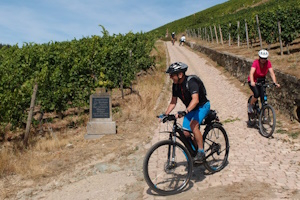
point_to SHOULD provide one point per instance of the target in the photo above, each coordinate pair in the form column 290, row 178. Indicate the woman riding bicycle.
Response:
column 194, row 98
column 259, row 70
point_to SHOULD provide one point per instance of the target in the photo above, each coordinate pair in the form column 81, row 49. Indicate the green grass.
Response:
column 295, row 135
column 281, row 131
column 230, row 120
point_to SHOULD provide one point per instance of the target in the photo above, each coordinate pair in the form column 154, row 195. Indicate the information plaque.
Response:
column 100, row 107
column 100, row 116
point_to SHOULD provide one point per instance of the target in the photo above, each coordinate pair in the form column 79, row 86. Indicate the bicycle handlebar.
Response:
column 266, row 84
column 170, row 117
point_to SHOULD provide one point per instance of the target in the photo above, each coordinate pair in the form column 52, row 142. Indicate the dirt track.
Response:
column 258, row 168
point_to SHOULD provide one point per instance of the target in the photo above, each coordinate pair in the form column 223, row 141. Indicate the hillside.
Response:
column 230, row 18
column 227, row 11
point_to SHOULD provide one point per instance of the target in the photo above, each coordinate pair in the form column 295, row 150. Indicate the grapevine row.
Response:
column 68, row 72
column 268, row 23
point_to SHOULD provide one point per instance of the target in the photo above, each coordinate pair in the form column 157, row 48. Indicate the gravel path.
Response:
column 259, row 168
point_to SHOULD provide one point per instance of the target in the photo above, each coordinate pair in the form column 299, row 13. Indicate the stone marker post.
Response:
column 100, row 115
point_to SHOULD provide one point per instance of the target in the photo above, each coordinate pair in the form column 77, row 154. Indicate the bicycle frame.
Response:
column 187, row 142
column 263, row 95
column 177, row 129
column 260, row 112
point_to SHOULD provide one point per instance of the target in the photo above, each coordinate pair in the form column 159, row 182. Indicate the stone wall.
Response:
column 286, row 98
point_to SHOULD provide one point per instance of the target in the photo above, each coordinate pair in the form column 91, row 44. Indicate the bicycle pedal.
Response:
column 252, row 115
column 198, row 162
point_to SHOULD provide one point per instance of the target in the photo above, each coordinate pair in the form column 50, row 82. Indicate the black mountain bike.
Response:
column 168, row 164
column 264, row 115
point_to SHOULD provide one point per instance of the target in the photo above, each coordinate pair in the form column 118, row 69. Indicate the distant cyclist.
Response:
column 173, row 37
column 192, row 93
column 259, row 69
column 182, row 40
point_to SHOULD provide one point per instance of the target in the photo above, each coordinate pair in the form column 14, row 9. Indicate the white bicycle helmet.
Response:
column 263, row 53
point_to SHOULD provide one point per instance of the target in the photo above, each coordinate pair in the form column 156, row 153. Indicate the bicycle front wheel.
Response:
column 167, row 167
column 216, row 147
column 267, row 121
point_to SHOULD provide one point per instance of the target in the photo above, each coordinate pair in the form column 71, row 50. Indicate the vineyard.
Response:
column 234, row 17
column 67, row 73
column 281, row 25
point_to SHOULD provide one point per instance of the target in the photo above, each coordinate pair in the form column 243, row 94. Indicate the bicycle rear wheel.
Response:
column 216, row 147
column 267, row 121
column 167, row 167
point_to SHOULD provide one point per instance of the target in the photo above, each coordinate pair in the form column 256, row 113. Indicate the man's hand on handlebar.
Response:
column 180, row 114
column 161, row 117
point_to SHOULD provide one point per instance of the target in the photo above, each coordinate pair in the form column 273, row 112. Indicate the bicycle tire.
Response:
column 164, row 176
column 267, row 121
column 252, row 120
column 216, row 147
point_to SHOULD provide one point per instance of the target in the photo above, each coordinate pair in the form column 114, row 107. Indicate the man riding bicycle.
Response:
column 193, row 94
column 173, row 37
column 259, row 70
column 182, row 40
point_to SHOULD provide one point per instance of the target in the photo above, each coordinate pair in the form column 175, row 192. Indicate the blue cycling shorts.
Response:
column 197, row 115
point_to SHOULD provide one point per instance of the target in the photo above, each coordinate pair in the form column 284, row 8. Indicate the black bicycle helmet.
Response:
column 177, row 67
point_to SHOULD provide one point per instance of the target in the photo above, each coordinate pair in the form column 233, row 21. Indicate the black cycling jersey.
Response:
column 180, row 90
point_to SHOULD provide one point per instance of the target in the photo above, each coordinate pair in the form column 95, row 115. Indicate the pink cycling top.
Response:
column 260, row 72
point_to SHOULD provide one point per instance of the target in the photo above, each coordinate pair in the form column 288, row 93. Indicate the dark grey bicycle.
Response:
column 168, row 164
column 264, row 114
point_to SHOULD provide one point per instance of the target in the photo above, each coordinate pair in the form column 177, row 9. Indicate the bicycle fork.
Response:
column 171, row 149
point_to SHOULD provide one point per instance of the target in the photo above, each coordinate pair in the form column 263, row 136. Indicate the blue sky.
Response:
column 42, row 21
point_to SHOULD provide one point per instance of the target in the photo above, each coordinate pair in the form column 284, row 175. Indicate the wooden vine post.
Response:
column 121, row 84
column 238, row 31
column 30, row 114
column 221, row 35
column 211, row 33
column 259, row 34
column 279, row 31
column 247, row 37
column 130, row 56
column 216, row 34
column 229, row 34
column 199, row 33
